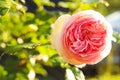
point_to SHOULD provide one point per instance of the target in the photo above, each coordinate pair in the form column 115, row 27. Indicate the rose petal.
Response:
column 57, row 27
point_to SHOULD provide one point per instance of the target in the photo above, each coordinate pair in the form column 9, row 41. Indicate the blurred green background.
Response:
column 25, row 49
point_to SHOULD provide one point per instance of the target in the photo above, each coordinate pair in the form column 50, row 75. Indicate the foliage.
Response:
column 25, row 49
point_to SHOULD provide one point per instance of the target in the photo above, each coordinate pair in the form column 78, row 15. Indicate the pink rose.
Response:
column 83, row 38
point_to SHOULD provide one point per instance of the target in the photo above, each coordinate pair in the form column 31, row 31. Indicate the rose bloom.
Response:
column 83, row 38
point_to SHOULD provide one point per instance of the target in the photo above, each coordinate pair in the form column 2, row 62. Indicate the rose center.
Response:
column 86, row 37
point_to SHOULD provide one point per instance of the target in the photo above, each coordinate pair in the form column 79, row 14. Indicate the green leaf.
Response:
column 40, row 70
column 4, row 7
column 3, row 73
column 69, row 75
column 78, row 74
column 90, row 1
column 13, row 49
column 74, row 73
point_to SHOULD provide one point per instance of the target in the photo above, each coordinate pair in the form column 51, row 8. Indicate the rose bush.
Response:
column 83, row 38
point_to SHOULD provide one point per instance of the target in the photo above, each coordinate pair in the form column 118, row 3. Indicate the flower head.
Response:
column 83, row 38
